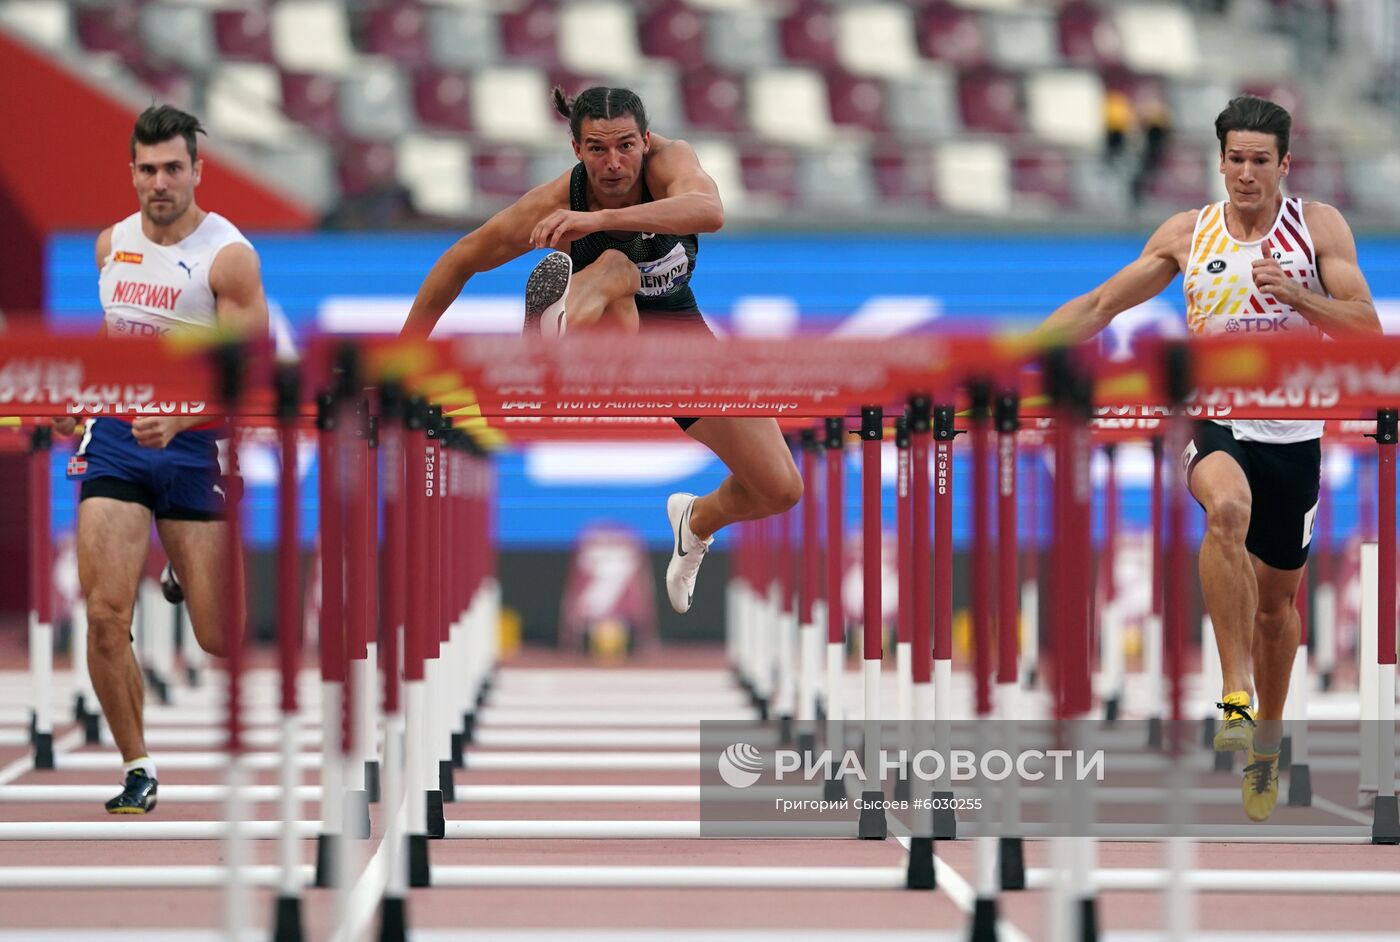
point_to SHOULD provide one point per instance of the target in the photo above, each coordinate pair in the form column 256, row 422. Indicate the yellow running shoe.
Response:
column 1236, row 730
column 1259, row 790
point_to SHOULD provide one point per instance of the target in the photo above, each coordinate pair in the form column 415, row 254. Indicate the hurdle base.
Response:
column 1285, row 754
column 806, row 745
column 92, row 729
column 1224, row 762
column 372, row 780
column 785, row 729
column 418, row 874
column 761, row 704
column 902, row 791
column 286, row 919
column 833, row 789
column 821, row 712
column 468, row 729
column 446, row 783
column 1011, row 862
column 873, row 826
column 457, row 745
column 984, row 920
column 326, row 855
column 357, row 815
column 1088, row 920
column 1208, row 732
column 1300, row 786
column 1154, row 732
column 192, row 676
column 1385, row 826
column 435, row 825
column 945, row 819
column 920, row 873
column 1111, row 708
column 393, row 920
column 1326, row 680
column 80, row 711
column 43, row 750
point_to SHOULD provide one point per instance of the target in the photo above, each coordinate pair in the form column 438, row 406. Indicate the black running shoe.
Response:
column 170, row 586
column 138, row 795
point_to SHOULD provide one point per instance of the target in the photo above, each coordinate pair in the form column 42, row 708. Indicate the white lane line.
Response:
column 1351, row 814
column 959, row 890
column 25, row 763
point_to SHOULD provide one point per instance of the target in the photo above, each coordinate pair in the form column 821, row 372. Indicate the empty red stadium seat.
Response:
column 531, row 33
column 807, row 35
column 714, row 100
column 673, row 31
column 1087, row 36
column 500, row 171
column 904, row 175
column 311, row 100
column 440, row 98
column 110, row 29
column 243, row 34
column 990, row 101
column 769, row 170
column 857, row 101
column 952, row 34
column 398, row 31
column 364, row 166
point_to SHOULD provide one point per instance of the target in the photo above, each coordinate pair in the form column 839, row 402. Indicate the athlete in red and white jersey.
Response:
column 172, row 266
column 1257, row 262
column 1222, row 298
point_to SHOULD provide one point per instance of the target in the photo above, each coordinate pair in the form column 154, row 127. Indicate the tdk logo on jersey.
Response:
column 138, row 329
column 1216, row 266
column 1255, row 325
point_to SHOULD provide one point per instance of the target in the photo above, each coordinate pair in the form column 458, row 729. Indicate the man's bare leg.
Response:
column 1277, row 628
column 763, row 478
column 1227, row 576
column 602, row 295
column 199, row 552
column 113, row 540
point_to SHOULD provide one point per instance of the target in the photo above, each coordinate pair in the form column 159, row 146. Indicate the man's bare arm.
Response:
column 1350, row 309
column 239, row 302
column 1143, row 279
column 688, row 198
column 502, row 238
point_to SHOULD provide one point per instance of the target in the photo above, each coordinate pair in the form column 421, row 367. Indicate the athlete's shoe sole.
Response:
column 545, row 291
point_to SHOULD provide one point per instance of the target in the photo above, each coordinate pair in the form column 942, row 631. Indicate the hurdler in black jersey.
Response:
column 664, row 262
column 620, row 231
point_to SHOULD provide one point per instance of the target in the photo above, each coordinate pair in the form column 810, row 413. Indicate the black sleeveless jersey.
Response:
column 665, row 262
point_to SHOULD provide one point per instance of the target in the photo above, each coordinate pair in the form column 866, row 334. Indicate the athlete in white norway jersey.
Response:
column 1256, row 262
column 170, row 267
column 149, row 289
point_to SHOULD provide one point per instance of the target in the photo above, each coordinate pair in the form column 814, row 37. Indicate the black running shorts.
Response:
column 1284, row 483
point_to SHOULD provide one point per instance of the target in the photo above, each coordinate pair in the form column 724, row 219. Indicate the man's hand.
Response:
column 65, row 425
column 561, row 226
column 1270, row 278
column 157, row 431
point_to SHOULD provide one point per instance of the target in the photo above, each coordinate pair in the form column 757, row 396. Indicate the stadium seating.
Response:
column 822, row 104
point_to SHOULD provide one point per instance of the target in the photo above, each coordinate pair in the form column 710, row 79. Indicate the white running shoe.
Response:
column 545, row 291
column 687, row 555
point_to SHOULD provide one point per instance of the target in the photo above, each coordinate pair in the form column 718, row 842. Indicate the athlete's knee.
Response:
column 779, row 492
column 1229, row 519
column 1274, row 616
column 109, row 627
column 621, row 266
